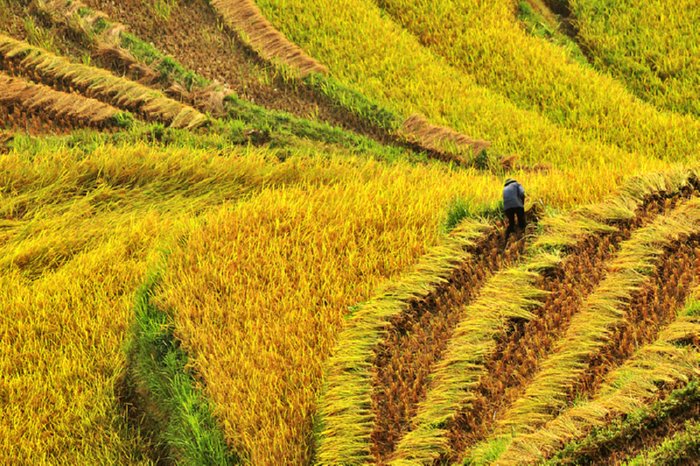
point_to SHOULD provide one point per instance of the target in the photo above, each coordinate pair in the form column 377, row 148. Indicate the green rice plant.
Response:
column 539, row 21
column 163, row 8
column 37, row 36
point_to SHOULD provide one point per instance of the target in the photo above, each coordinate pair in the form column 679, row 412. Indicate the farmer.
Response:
column 514, row 205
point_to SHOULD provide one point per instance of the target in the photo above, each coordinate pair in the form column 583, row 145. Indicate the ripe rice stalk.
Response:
column 245, row 18
column 590, row 328
column 517, row 356
column 621, row 37
column 97, row 83
column 651, row 309
column 632, row 385
column 94, row 27
column 508, row 295
column 442, row 140
column 74, row 110
column 345, row 416
column 467, row 32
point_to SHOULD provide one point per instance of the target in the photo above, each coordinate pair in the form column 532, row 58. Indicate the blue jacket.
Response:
column 513, row 195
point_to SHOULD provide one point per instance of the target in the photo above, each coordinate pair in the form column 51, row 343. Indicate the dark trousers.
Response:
column 511, row 214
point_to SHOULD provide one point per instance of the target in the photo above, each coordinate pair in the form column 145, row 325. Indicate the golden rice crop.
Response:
column 486, row 41
column 245, row 18
column 363, row 48
column 275, row 320
column 591, row 328
column 268, row 249
column 652, row 46
column 325, row 247
column 79, row 232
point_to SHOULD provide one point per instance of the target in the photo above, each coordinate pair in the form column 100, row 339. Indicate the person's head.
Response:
column 509, row 181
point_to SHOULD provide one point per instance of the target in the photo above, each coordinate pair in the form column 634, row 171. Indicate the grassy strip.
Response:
column 636, row 383
column 355, row 102
column 97, row 83
column 681, row 448
column 343, row 425
column 514, row 293
column 178, row 415
column 600, row 441
column 220, row 136
column 169, row 68
column 270, row 124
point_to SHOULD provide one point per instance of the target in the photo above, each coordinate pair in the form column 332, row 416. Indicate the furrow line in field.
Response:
column 417, row 339
column 245, row 18
column 625, row 438
column 346, row 416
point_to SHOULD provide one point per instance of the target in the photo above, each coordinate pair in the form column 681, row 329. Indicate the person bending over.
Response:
column 514, row 205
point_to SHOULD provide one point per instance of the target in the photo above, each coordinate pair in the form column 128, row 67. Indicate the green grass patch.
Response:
column 178, row 413
column 680, row 448
column 170, row 69
column 460, row 208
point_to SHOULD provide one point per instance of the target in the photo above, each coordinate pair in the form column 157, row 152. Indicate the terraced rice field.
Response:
column 267, row 233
